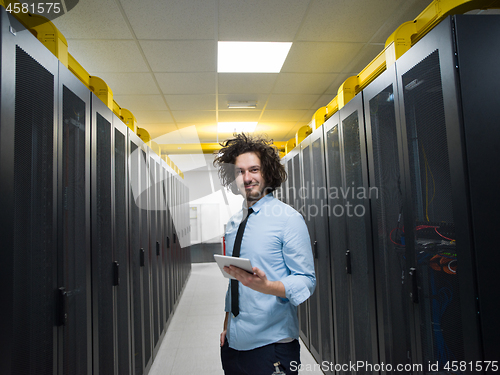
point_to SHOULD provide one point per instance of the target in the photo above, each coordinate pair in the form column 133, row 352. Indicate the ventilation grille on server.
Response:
column 34, row 247
column 74, row 234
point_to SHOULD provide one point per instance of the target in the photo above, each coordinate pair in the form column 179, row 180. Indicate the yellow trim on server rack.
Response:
column 102, row 91
column 144, row 135
column 290, row 145
column 80, row 73
column 318, row 118
column 129, row 119
column 117, row 110
column 302, row 134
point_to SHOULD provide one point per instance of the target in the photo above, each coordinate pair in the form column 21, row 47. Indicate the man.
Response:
column 261, row 330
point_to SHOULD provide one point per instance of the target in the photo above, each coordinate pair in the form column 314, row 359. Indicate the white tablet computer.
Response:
column 223, row 261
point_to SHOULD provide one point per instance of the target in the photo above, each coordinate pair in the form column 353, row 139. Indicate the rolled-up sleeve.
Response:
column 298, row 256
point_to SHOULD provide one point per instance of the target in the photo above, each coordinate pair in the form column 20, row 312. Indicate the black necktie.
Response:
column 235, row 307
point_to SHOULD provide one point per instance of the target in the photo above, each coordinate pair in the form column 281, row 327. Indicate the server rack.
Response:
column 154, row 245
column 28, row 151
column 382, row 123
column 121, row 263
column 73, row 192
column 109, row 242
column 338, row 241
column 443, row 141
column 352, row 268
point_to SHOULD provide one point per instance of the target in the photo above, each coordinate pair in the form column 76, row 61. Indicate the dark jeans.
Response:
column 260, row 361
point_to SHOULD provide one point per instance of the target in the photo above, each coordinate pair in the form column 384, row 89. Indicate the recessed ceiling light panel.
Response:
column 251, row 57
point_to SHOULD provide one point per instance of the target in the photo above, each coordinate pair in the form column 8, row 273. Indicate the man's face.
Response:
column 249, row 179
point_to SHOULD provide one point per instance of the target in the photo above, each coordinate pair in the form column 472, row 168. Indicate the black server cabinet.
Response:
column 338, row 241
column 146, row 303
column 294, row 194
column 73, row 193
column 394, row 316
column 154, row 244
column 448, row 135
column 137, row 254
column 165, row 283
column 304, row 193
column 110, row 292
column 28, row 136
column 316, row 212
column 121, row 263
column 352, row 264
column 359, row 251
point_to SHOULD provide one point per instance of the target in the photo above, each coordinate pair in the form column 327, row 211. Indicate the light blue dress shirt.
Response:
column 276, row 241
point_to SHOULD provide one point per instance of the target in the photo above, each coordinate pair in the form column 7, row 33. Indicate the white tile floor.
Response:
column 191, row 343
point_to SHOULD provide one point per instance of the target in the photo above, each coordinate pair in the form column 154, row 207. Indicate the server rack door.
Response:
column 145, row 253
column 163, row 249
column 102, row 239
column 136, row 255
column 296, row 202
column 28, row 191
column 154, row 242
column 386, row 190
column 170, row 257
column 289, row 181
column 357, row 211
column 314, row 319
column 75, row 344
column 121, row 261
column 318, row 212
column 338, row 242
column 437, row 229
column 477, row 40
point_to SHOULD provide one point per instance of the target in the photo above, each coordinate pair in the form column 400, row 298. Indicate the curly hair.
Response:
column 272, row 169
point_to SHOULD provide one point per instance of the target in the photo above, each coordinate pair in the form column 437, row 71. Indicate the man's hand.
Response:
column 223, row 337
column 257, row 281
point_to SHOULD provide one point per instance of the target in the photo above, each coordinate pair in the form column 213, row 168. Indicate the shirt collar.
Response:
column 257, row 205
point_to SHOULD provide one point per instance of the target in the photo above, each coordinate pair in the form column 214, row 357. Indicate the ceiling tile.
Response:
column 319, row 57
column 296, row 83
column 130, row 83
column 193, row 116
column 239, row 116
column 243, row 83
column 141, row 102
column 260, row 20
column 102, row 56
column 290, row 115
column 323, row 101
column 186, row 83
column 279, row 101
column 338, row 20
column 93, row 19
column 180, row 56
column 190, row 102
column 173, row 19
column 152, row 117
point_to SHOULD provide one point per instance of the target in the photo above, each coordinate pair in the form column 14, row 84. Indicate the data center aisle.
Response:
column 191, row 344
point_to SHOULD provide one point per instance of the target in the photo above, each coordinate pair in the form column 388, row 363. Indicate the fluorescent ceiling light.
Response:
column 251, row 57
column 242, row 104
column 236, row 127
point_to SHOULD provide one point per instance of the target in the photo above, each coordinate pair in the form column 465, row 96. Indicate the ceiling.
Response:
column 160, row 57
